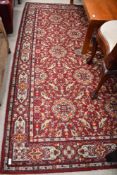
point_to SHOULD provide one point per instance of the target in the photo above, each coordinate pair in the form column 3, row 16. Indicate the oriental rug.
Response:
column 52, row 125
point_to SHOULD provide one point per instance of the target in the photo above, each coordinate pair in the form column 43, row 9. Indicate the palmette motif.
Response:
column 54, row 124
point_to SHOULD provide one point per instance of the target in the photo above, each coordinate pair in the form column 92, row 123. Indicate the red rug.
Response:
column 52, row 125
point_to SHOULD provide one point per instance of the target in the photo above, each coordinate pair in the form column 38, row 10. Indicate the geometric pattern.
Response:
column 51, row 122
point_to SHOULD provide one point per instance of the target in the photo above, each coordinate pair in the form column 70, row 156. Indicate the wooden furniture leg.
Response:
column 19, row 1
column 109, row 69
column 102, row 80
column 71, row 1
column 107, row 39
column 88, row 38
column 4, row 33
column 112, row 156
column 94, row 48
column 98, row 14
column 4, row 49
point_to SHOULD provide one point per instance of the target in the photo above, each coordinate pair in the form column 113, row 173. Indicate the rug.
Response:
column 52, row 125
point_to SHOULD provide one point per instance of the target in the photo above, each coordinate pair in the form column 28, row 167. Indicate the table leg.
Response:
column 19, row 1
column 71, row 1
column 2, row 30
column 88, row 38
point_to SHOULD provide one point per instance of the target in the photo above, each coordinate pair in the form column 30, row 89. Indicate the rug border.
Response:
column 59, row 171
column 9, row 86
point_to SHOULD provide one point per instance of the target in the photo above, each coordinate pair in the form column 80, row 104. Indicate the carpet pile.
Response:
column 52, row 125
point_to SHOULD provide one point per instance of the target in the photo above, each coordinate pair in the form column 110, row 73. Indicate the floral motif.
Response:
column 63, row 109
column 35, row 154
column 23, row 87
column 83, row 76
column 19, row 138
column 41, row 76
column 74, row 34
column 69, row 152
column 55, row 18
column 41, row 32
column 20, row 109
column 100, row 150
column 58, row 51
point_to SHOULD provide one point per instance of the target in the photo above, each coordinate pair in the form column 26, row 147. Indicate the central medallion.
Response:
column 83, row 76
column 58, row 51
column 64, row 109
column 54, row 18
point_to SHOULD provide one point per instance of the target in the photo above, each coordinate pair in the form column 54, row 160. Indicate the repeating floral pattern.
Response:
column 51, row 121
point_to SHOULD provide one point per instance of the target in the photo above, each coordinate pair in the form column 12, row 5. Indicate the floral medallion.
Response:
column 64, row 109
column 83, row 76
column 55, row 18
column 74, row 34
column 58, row 51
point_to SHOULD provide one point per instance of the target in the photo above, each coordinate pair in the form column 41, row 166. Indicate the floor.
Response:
column 12, row 40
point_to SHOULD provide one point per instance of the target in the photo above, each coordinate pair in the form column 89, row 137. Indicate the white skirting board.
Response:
column 78, row 2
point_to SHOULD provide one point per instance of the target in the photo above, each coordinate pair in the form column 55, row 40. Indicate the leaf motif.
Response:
column 102, row 122
column 68, row 87
column 66, row 66
column 80, row 95
column 73, row 60
column 44, row 125
column 43, row 59
column 53, row 86
column 74, row 133
column 52, row 66
column 43, row 94
column 85, row 123
column 59, row 133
